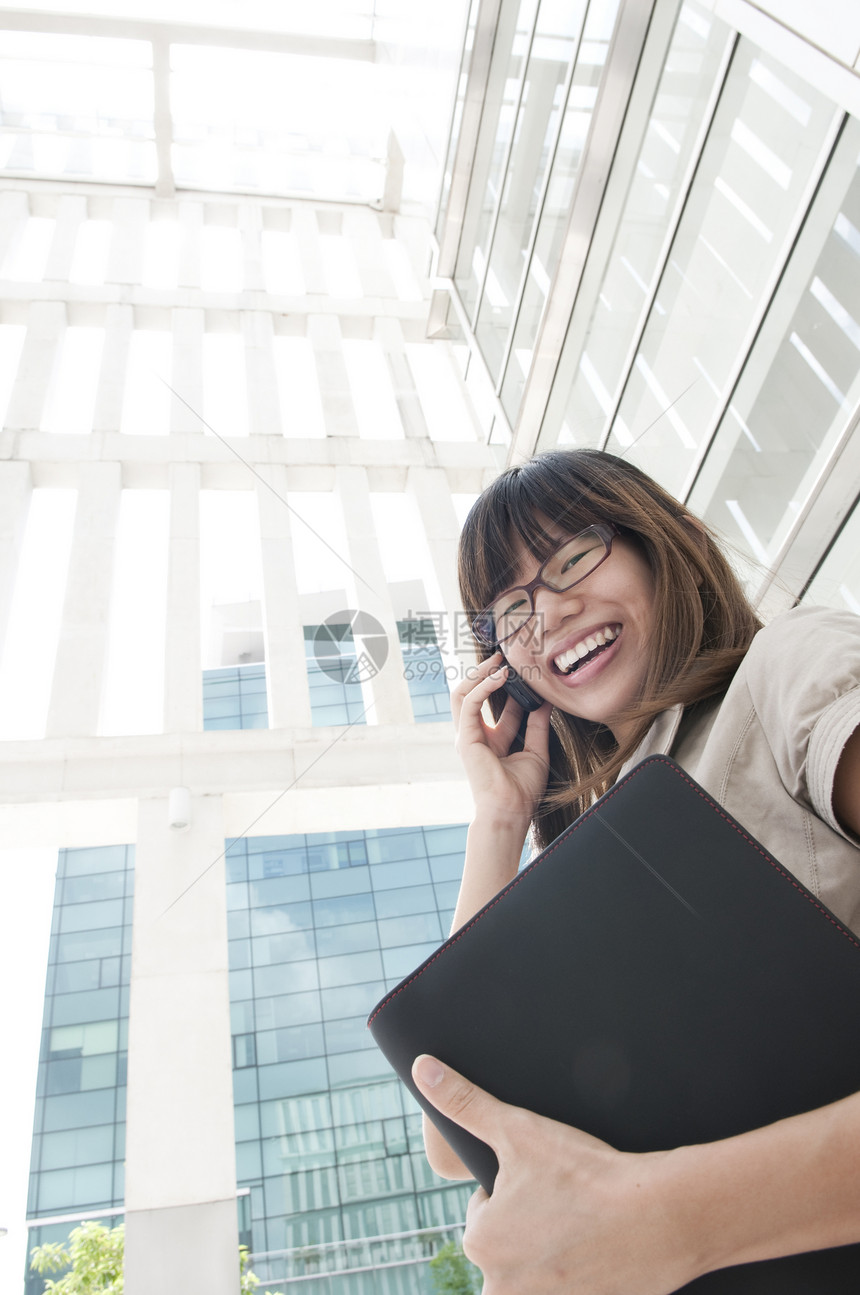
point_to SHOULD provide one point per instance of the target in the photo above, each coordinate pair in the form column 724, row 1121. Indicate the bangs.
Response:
column 510, row 519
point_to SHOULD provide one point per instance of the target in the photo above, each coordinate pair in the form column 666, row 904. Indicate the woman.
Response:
column 619, row 611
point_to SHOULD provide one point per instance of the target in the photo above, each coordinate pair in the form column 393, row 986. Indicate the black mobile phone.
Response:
column 517, row 688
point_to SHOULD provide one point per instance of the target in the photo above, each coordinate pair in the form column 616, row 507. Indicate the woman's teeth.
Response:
column 568, row 661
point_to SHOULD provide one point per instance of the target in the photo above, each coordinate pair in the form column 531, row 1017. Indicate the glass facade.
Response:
column 703, row 322
column 235, row 697
column 424, row 671
column 334, row 675
column 79, row 1128
column 328, row 1142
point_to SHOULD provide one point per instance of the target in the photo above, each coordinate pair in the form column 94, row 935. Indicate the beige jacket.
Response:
column 768, row 751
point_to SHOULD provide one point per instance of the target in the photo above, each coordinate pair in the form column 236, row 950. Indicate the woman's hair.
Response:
column 703, row 623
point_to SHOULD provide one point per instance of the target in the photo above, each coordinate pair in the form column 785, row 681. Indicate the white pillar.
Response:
column 71, row 213
column 286, row 669
column 389, row 335
column 183, row 687
column 180, row 1184
column 119, row 323
column 186, row 375
column 432, row 494
column 14, row 211
column 264, row 406
column 338, row 410
column 82, row 649
column 46, row 325
column 306, row 230
column 191, row 229
column 367, row 585
column 15, row 490
column 125, row 260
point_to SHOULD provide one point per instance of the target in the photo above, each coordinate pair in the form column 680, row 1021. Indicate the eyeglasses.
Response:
column 569, row 565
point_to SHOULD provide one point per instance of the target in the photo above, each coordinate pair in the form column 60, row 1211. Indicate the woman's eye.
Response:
column 572, row 560
column 511, row 609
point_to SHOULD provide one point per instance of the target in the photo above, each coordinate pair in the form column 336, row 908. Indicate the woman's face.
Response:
column 586, row 649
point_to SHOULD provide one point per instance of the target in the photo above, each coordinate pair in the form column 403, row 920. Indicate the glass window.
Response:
column 394, row 875
column 409, row 899
column 416, row 929
column 353, row 937
column 276, row 918
column 348, row 1035
column 292, row 1077
column 351, row 1000
column 837, row 580
column 345, row 908
column 582, row 403
column 764, row 152
column 553, row 52
column 349, row 969
column 291, row 1044
column 801, row 382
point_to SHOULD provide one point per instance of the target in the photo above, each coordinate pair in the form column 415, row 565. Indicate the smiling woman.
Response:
column 679, row 621
column 583, row 575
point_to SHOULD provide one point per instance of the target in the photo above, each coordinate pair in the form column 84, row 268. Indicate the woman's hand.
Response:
column 568, row 1213
column 506, row 787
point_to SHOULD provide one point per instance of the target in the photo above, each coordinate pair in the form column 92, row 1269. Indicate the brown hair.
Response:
column 704, row 623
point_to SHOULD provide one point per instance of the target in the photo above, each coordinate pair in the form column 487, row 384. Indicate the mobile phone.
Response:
column 526, row 697
column 521, row 692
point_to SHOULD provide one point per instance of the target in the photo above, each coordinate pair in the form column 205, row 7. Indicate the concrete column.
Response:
column 369, row 589
column 264, row 408
column 306, row 230
column 338, row 410
column 389, row 334
column 15, row 490
column 186, row 375
column 286, row 671
column 14, row 210
column 183, row 688
column 431, row 491
column 71, row 214
column 191, row 228
column 180, row 1183
column 46, row 324
column 82, row 649
column 119, row 323
column 250, row 228
column 362, row 229
column 125, row 259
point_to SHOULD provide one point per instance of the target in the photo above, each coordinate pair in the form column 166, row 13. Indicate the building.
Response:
column 249, row 428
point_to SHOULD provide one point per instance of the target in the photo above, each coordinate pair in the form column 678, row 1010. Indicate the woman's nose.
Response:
column 551, row 607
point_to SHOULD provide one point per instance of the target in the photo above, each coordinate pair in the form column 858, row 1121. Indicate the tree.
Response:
column 94, row 1255
column 452, row 1273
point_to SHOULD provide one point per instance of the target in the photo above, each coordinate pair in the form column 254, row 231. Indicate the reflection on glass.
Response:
column 510, row 50
column 544, row 259
column 837, row 580
column 457, row 119
column 588, row 381
column 801, row 382
column 552, row 52
column 764, row 150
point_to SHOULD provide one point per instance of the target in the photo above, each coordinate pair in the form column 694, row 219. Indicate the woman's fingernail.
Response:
column 428, row 1071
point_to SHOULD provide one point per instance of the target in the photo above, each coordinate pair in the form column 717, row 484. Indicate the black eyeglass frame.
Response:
column 605, row 530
